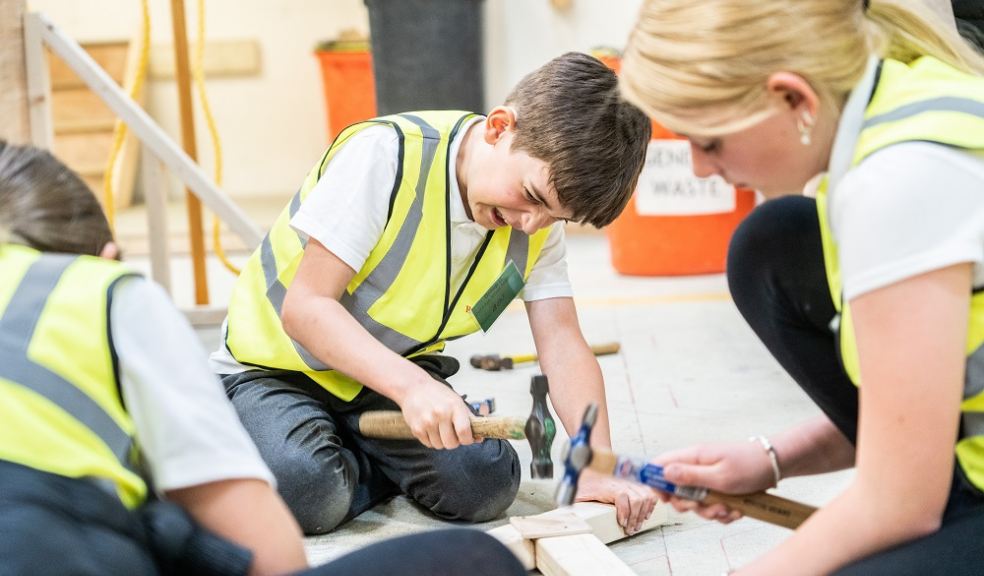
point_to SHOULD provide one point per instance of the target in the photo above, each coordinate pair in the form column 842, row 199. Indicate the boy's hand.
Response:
column 634, row 502
column 437, row 415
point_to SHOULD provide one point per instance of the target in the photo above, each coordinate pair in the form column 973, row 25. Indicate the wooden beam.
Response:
column 38, row 85
column 580, row 555
column 16, row 125
column 220, row 59
column 195, row 230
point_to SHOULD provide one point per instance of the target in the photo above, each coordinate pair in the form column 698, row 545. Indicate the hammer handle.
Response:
column 597, row 350
column 764, row 506
column 391, row 424
column 759, row 505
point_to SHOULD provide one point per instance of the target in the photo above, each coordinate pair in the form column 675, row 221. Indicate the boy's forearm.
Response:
column 333, row 336
column 576, row 382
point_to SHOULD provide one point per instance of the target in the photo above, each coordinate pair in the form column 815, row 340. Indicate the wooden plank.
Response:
column 193, row 204
column 580, row 555
column 38, row 86
column 110, row 55
column 604, row 523
column 522, row 548
column 533, row 527
column 221, row 58
column 16, row 125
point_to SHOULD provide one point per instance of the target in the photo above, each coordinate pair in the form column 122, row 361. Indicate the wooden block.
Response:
column 221, row 58
column 522, row 548
column 603, row 522
column 539, row 526
column 580, row 555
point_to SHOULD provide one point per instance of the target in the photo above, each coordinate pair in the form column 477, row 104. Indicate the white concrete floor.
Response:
column 689, row 371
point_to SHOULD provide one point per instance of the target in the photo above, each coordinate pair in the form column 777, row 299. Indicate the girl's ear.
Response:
column 794, row 93
column 110, row 251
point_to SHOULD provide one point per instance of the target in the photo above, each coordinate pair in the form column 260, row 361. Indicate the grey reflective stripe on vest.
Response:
column 518, row 250
column 972, row 423
column 384, row 274
column 944, row 104
column 974, row 374
column 276, row 291
column 16, row 330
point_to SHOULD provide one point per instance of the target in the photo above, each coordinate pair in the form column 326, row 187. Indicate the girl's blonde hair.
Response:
column 701, row 67
column 46, row 206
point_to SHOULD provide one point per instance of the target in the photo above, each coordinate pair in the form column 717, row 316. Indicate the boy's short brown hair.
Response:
column 571, row 116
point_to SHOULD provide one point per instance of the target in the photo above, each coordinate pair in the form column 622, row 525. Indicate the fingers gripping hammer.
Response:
column 579, row 455
column 539, row 429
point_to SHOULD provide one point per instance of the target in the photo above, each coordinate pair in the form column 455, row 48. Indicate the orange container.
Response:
column 675, row 223
column 350, row 90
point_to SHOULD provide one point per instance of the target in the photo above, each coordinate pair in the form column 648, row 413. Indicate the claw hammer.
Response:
column 579, row 455
column 539, row 429
column 494, row 362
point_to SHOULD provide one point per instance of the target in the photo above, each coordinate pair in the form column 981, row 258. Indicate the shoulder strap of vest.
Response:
column 17, row 327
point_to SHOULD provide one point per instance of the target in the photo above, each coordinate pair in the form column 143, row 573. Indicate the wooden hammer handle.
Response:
column 763, row 506
column 596, row 349
column 391, row 424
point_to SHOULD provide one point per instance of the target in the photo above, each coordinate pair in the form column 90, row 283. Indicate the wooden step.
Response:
column 80, row 149
column 77, row 110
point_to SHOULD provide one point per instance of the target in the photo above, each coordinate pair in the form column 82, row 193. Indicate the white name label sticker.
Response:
column 668, row 187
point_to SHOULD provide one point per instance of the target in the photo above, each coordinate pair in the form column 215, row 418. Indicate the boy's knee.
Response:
column 482, row 484
column 317, row 487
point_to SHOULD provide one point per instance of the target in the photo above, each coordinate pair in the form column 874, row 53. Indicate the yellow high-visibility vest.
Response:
column 929, row 101
column 60, row 403
column 402, row 294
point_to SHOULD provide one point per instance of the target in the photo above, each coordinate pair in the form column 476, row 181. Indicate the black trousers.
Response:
column 777, row 279
column 52, row 525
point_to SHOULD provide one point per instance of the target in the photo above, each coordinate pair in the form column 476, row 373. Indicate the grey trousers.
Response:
column 328, row 473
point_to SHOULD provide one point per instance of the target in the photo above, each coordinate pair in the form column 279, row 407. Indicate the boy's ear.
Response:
column 499, row 120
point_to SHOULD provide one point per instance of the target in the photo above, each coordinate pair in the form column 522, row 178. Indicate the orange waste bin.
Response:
column 675, row 223
column 350, row 91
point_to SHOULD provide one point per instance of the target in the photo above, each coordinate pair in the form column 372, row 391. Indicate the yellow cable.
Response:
column 119, row 127
column 198, row 70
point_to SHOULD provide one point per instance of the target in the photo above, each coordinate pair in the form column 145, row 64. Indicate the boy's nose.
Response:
column 536, row 220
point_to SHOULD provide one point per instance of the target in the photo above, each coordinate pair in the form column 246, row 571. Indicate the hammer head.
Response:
column 577, row 456
column 540, row 429
column 491, row 362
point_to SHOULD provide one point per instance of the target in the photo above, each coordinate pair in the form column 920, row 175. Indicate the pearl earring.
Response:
column 805, row 125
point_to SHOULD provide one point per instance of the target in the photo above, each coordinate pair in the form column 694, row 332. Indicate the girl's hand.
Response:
column 731, row 468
